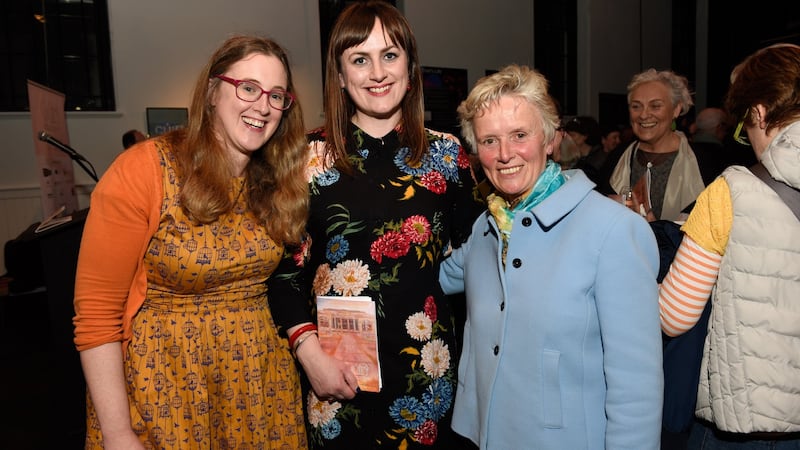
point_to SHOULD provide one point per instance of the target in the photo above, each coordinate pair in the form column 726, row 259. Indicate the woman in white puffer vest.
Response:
column 741, row 248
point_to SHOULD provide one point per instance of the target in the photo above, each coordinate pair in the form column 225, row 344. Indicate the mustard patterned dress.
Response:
column 205, row 367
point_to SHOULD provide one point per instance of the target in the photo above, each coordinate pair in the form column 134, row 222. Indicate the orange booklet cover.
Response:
column 641, row 194
column 348, row 331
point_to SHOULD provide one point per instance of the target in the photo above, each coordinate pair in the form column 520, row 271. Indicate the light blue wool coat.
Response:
column 562, row 350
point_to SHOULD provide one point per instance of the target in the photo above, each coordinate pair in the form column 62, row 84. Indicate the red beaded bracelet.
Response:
column 299, row 332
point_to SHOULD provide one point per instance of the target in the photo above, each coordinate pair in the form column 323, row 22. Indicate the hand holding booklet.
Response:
column 347, row 330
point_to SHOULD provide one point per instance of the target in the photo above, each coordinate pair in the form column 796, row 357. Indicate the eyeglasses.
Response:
column 251, row 92
column 737, row 135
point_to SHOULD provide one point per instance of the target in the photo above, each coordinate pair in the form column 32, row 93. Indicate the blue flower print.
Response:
column 444, row 158
column 438, row 397
column 328, row 177
column 408, row 412
column 400, row 162
column 364, row 152
column 331, row 429
column 337, row 248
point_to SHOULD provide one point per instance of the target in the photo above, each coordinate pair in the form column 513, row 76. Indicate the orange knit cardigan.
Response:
column 124, row 213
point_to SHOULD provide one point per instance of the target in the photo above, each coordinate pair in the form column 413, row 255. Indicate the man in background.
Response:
column 131, row 137
column 713, row 145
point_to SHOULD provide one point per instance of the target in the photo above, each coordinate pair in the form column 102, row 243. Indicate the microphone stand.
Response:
column 74, row 155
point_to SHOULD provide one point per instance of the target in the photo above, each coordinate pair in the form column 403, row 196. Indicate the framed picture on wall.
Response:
column 162, row 120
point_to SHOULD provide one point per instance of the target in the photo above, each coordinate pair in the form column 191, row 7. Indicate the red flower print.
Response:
column 463, row 160
column 426, row 433
column 392, row 245
column 301, row 254
column 417, row 228
column 430, row 308
column 434, row 181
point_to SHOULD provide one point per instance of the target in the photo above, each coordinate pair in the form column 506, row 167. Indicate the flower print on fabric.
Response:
column 350, row 277
column 337, row 248
column 438, row 397
column 430, row 308
column 430, row 366
column 437, row 167
column 408, row 412
column 397, row 239
column 300, row 256
column 319, row 171
column 380, row 231
column 324, row 417
column 417, row 229
column 435, row 358
column 323, row 280
column 419, row 326
column 391, row 244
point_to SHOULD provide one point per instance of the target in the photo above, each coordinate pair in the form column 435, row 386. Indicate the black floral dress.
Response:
column 381, row 232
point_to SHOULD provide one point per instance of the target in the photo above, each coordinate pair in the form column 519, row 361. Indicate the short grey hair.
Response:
column 678, row 86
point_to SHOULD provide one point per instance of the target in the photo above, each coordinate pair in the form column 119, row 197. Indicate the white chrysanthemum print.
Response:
column 419, row 326
column 323, row 280
column 435, row 358
column 320, row 413
column 350, row 277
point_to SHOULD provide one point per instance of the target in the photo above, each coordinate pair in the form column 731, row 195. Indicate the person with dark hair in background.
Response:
column 713, row 146
column 593, row 162
column 131, row 137
column 741, row 249
column 585, row 132
column 176, row 340
column 562, row 348
column 387, row 198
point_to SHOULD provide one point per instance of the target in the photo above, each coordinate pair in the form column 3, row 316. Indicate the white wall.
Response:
column 617, row 39
column 475, row 35
column 157, row 50
column 159, row 47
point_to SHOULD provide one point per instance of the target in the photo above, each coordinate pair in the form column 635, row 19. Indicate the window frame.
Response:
column 62, row 44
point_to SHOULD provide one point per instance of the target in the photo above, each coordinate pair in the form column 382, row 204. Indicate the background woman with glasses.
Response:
column 178, row 346
column 741, row 246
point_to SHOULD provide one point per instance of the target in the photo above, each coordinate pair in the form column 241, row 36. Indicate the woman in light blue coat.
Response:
column 562, row 345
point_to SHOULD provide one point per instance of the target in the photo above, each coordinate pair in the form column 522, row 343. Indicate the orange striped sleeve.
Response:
column 687, row 286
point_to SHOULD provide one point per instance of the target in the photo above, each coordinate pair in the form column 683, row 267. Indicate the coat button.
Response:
column 496, row 349
column 516, row 263
column 526, row 222
column 502, row 306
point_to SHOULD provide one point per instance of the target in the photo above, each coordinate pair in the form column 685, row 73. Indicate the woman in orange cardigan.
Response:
column 177, row 343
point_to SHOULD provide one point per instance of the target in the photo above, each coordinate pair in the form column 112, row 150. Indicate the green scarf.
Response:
column 548, row 182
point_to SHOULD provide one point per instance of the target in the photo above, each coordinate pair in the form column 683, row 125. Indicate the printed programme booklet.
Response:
column 641, row 192
column 348, row 331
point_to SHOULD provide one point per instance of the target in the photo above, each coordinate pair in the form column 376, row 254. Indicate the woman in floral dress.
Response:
column 387, row 198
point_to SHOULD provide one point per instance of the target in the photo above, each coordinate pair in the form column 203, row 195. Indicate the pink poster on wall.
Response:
column 56, row 177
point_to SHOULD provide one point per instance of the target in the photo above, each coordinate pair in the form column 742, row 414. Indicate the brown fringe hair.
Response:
column 276, row 188
column 352, row 28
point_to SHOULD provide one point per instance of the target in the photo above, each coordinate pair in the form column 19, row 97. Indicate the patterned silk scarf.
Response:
column 549, row 180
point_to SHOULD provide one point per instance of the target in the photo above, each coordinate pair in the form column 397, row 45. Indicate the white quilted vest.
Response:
column 750, row 374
